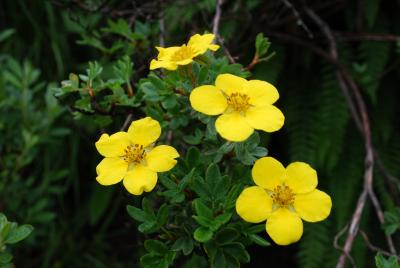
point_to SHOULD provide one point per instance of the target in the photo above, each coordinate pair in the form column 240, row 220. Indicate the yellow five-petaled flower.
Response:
column 283, row 197
column 131, row 157
column 171, row 57
column 244, row 105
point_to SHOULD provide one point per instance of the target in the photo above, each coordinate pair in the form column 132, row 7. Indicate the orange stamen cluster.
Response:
column 239, row 102
column 184, row 52
column 134, row 153
column 283, row 196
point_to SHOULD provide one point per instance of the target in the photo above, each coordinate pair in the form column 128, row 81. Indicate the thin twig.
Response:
column 366, row 36
column 347, row 84
column 162, row 29
column 299, row 21
column 336, row 244
column 216, row 20
column 128, row 119
column 226, row 51
column 374, row 248
column 217, row 17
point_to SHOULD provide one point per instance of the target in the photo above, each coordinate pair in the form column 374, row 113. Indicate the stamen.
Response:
column 134, row 153
column 184, row 52
column 283, row 196
column 239, row 102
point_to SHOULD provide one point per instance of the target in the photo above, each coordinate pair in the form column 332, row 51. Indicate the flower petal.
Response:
column 202, row 42
column 144, row 131
column 169, row 65
column 111, row 170
column 184, row 62
column 284, row 227
column 267, row 118
column 301, row 177
column 233, row 127
column 208, row 100
column 268, row 173
column 313, row 206
column 140, row 179
column 230, row 83
column 161, row 158
column 114, row 145
column 254, row 204
column 261, row 93
column 165, row 53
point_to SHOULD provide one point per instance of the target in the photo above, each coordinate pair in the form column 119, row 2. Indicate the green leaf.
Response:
column 136, row 213
column 382, row 262
column 155, row 246
column 6, row 34
column 259, row 240
column 201, row 188
column 202, row 234
column 202, row 210
column 162, row 215
column 262, row 45
column 150, row 260
column 212, row 175
column 392, row 221
column 185, row 244
column 219, row 261
column 226, row 235
column 5, row 257
column 192, row 157
column 194, row 139
column 148, row 209
column 18, row 234
column 238, row 251
column 148, row 227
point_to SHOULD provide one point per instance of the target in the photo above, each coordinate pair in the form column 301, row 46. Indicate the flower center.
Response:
column 184, row 52
column 283, row 196
column 134, row 154
column 239, row 102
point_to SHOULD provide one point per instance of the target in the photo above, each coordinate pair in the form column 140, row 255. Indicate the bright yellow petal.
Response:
column 208, row 100
column 114, row 145
column 254, row 204
column 201, row 39
column 284, row 227
column 301, row 177
column 161, row 158
column 213, row 47
column 144, row 131
column 202, row 42
column 313, row 206
column 166, row 53
column 111, row 170
column 184, row 62
column 140, row 179
column 267, row 118
column 155, row 64
column 261, row 93
column 230, row 83
column 233, row 127
column 268, row 173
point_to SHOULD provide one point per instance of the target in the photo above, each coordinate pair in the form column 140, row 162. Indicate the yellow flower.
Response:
column 244, row 105
column 283, row 197
column 131, row 157
column 171, row 57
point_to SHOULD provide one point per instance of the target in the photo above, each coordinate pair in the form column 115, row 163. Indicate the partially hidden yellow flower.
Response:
column 283, row 197
column 131, row 157
column 245, row 105
column 171, row 57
